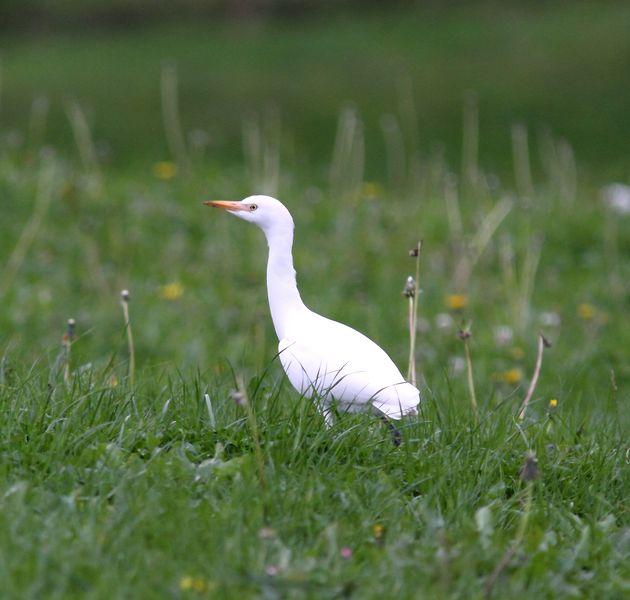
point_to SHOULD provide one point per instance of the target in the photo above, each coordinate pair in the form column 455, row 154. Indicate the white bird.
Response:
column 323, row 359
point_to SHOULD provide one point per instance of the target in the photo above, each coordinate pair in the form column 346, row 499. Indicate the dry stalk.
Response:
column 542, row 344
column 124, row 300
column 46, row 188
column 464, row 335
column 454, row 215
column 37, row 121
column 261, row 146
column 415, row 252
column 395, row 151
column 170, row 115
column 522, row 167
column 409, row 292
column 66, row 342
column 346, row 170
column 479, row 242
column 470, row 143
column 85, row 144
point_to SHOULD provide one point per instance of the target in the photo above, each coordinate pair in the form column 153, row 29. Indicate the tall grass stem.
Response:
column 46, row 189
column 85, row 144
column 66, row 342
column 170, row 116
column 464, row 335
column 124, row 297
column 470, row 142
column 542, row 344
column 522, row 166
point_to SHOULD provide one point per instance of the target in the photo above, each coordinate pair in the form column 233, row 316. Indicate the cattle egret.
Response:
column 325, row 360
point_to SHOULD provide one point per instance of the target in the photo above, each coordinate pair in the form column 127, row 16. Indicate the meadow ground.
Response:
column 165, row 486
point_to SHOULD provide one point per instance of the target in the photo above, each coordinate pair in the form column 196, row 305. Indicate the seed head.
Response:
column 238, row 397
column 124, row 295
column 68, row 336
column 529, row 471
column 464, row 334
column 409, row 291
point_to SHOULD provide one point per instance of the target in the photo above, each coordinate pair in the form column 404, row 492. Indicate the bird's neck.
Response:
column 285, row 303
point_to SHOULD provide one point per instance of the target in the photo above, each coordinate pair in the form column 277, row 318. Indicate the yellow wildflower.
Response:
column 586, row 311
column 456, row 301
column 164, row 169
column 517, row 353
column 171, row 291
column 195, row 584
column 379, row 530
column 553, row 403
column 511, row 376
column 371, row 190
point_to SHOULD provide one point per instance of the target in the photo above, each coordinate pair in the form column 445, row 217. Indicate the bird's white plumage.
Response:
column 322, row 358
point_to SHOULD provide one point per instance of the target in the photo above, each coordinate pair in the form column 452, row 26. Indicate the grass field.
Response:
column 165, row 486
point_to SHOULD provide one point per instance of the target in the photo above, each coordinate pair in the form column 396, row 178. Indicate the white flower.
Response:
column 617, row 197
column 549, row 319
column 503, row 335
column 444, row 321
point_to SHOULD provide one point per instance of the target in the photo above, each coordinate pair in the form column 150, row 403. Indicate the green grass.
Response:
column 109, row 489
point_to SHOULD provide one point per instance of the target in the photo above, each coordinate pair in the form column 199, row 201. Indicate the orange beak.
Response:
column 226, row 205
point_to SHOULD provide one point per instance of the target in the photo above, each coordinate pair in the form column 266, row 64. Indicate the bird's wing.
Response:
column 335, row 362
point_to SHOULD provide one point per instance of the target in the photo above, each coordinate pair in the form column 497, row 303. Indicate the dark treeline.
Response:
column 43, row 15
column 69, row 14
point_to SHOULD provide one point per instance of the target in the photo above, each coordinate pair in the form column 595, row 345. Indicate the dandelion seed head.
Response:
column 409, row 291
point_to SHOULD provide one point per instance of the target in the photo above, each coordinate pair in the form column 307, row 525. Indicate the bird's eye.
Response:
column 253, row 206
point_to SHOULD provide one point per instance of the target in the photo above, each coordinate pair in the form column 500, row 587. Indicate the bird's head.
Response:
column 266, row 212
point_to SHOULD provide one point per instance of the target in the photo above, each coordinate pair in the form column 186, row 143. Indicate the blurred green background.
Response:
column 556, row 67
